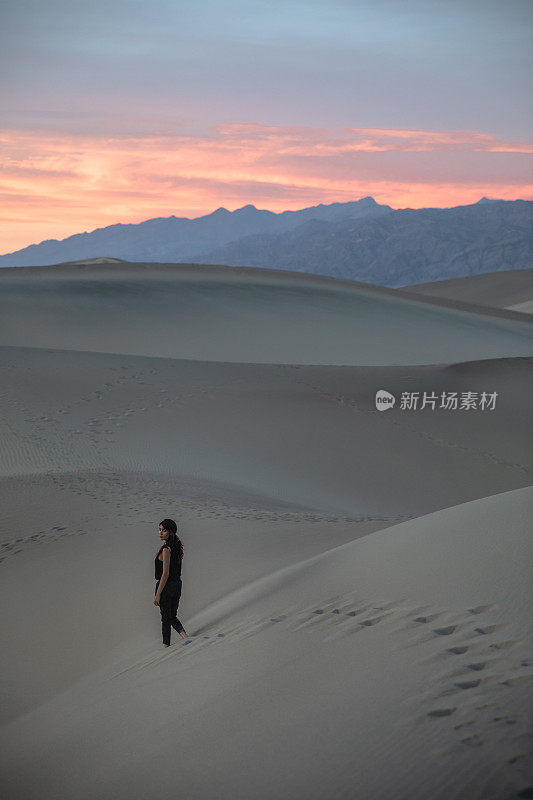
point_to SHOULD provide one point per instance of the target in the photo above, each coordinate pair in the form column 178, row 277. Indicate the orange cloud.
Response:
column 53, row 185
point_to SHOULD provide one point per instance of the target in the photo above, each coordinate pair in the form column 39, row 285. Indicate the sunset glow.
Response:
column 125, row 110
column 54, row 185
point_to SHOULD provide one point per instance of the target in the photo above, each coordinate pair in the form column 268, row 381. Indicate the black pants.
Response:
column 168, row 605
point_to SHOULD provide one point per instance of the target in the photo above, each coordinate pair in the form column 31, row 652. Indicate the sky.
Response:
column 125, row 110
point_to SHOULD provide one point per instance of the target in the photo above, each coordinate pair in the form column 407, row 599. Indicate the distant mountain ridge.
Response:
column 180, row 239
column 400, row 248
column 361, row 241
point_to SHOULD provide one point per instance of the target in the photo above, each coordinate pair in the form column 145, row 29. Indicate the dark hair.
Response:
column 174, row 541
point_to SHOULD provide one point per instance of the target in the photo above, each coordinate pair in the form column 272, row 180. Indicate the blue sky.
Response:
column 458, row 65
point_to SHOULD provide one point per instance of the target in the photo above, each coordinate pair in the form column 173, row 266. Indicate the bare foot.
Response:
column 183, row 634
column 166, row 645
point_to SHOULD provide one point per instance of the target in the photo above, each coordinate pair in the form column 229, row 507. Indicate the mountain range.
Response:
column 360, row 240
column 180, row 239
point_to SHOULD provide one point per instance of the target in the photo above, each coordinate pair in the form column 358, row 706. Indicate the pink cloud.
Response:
column 54, row 185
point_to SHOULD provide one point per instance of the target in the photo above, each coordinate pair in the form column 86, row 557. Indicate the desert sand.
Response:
column 356, row 583
column 511, row 289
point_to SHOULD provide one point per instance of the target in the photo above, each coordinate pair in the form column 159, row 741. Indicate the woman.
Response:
column 168, row 576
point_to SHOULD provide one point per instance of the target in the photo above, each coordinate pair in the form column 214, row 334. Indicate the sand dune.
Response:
column 404, row 646
column 512, row 289
column 245, row 315
column 355, row 581
column 523, row 308
column 301, row 434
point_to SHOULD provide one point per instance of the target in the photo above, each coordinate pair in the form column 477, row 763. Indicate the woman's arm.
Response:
column 164, row 576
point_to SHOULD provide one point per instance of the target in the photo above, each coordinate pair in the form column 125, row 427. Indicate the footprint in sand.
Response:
column 473, row 741
column 463, row 725
column 468, row 684
column 441, row 712
column 257, row 627
column 337, row 618
column 373, row 621
column 42, row 537
column 503, row 645
column 518, row 757
column 480, row 609
column 520, row 679
column 447, row 631
column 492, row 686
column 486, row 629
column 347, row 614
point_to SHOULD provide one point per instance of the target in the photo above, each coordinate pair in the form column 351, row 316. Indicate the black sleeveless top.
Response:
column 174, row 572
